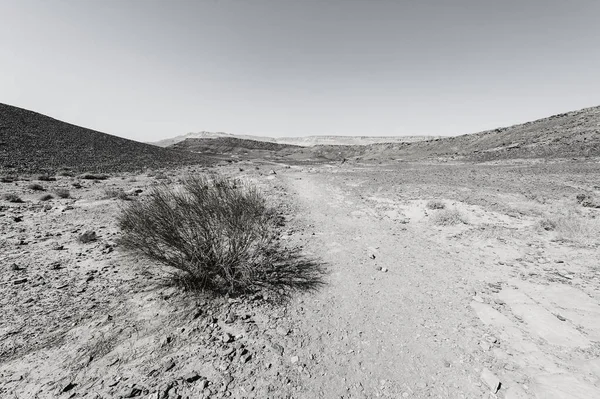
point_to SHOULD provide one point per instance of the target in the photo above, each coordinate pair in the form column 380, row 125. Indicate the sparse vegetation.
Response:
column 46, row 178
column 62, row 193
column 547, row 224
column 588, row 201
column 448, row 217
column 91, row 176
column 574, row 228
column 36, row 187
column 216, row 234
column 116, row 193
column 435, row 204
column 46, row 197
column 11, row 197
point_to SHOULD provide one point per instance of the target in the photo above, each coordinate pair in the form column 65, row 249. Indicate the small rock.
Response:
column 88, row 236
column 384, row 269
column 168, row 366
column 227, row 338
column 561, row 318
column 246, row 358
column 191, row 377
column 485, row 346
column 491, row 339
column 282, row 331
column 294, row 359
column 68, row 386
column 491, row 380
column 479, row 299
column 19, row 281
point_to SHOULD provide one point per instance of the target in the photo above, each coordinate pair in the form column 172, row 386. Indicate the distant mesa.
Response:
column 307, row 141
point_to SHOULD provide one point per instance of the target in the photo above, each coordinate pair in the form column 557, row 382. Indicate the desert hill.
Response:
column 572, row 134
column 307, row 141
column 32, row 142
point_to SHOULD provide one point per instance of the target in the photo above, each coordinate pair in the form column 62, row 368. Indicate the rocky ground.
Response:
column 444, row 280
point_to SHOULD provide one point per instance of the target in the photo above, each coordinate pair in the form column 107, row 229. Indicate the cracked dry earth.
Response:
column 496, row 306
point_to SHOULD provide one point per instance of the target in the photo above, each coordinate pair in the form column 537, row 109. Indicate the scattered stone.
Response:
column 168, row 366
column 230, row 318
column 55, row 265
column 384, row 269
column 491, row 380
column 246, row 358
column 278, row 348
column 485, row 346
column 479, row 299
column 282, row 331
column 561, row 318
column 88, row 236
column 227, row 338
column 68, row 386
column 191, row 377
column 294, row 359
column 19, row 281
column 491, row 339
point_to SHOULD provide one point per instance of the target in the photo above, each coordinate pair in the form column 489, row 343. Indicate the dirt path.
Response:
column 376, row 333
column 409, row 312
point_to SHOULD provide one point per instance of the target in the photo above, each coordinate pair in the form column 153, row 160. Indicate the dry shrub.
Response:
column 117, row 193
column 10, row 197
column 577, row 229
column 435, row 204
column 91, row 176
column 46, row 178
column 216, row 234
column 448, row 217
column 62, row 193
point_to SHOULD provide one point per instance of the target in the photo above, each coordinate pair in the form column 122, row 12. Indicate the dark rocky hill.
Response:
column 32, row 142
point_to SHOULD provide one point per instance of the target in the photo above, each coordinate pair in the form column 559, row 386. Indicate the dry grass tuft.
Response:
column 62, row 193
column 91, row 176
column 14, row 198
column 435, row 204
column 574, row 228
column 448, row 217
column 46, row 178
column 117, row 193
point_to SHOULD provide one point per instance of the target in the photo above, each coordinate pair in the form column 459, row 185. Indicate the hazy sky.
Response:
column 148, row 70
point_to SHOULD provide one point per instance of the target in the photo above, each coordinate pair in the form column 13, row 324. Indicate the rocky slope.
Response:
column 32, row 142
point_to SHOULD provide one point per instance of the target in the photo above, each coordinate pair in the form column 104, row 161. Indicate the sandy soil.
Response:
column 504, row 303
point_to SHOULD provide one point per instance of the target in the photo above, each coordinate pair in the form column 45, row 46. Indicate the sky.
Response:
column 148, row 70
